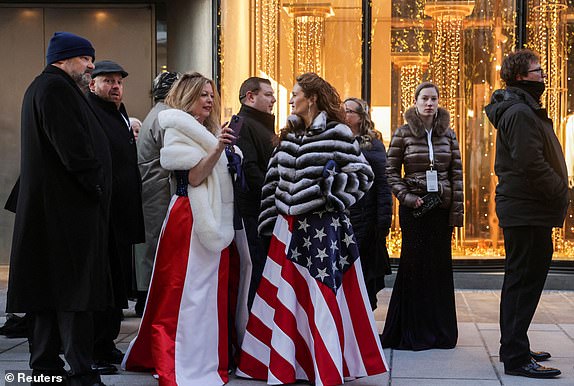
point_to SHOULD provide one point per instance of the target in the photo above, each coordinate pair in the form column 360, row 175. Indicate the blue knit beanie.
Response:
column 64, row 45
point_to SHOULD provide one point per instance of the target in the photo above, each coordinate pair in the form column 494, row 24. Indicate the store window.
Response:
column 282, row 39
column 550, row 32
column 457, row 44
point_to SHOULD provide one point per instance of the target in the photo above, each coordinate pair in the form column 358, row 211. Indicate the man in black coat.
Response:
column 59, row 270
column 126, row 215
column 531, row 198
column 255, row 141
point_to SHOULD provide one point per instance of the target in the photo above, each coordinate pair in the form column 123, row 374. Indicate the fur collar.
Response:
column 186, row 142
column 188, row 126
column 440, row 126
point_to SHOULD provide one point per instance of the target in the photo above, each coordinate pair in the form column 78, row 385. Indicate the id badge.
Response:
column 432, row 181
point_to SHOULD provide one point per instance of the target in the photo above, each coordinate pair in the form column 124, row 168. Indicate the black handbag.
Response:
column 430, row 201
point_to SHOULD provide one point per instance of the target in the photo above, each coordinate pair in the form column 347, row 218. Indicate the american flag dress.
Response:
column 195, row 296
column 311, row 318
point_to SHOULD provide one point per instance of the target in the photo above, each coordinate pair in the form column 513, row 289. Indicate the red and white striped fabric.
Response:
column 183, row 336
column 301, row 329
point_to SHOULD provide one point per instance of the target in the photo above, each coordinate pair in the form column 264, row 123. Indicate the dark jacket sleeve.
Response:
column 394, row 169
column 384, row 201
column 69, row 136
column 254, row 175
column 526, row 145
column 456, row 213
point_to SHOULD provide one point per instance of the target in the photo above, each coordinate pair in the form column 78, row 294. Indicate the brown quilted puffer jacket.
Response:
column 409, row 148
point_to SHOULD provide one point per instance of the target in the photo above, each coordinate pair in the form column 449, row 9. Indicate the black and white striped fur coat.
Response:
column 297, row 182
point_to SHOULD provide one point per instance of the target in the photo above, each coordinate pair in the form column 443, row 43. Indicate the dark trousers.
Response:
column 72, row 331
column 528, row 256
column 258, row 248
column 107, row 325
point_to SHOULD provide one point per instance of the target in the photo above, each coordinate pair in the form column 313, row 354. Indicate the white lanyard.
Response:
column 432, row 177
column 431, row 151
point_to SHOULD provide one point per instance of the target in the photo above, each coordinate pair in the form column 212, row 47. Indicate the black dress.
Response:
column 422, row 312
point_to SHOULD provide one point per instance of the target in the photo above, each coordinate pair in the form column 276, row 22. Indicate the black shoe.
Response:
column 104, row 368
column 534, row 370
column 15, row 326
column 115, row 356
column 540, row 356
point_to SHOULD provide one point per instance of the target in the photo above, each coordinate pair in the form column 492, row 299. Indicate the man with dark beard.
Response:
column 59, row 270
column 531, row 199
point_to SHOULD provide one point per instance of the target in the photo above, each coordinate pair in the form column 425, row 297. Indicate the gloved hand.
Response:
column 330, row 169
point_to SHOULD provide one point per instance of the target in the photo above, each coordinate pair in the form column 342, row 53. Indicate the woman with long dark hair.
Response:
column 311, row 318
column 422, row 312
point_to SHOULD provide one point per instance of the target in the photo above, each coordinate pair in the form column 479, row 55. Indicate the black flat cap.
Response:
column 108, row 67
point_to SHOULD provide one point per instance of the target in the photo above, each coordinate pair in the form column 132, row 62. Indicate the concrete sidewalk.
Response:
column 474, row 362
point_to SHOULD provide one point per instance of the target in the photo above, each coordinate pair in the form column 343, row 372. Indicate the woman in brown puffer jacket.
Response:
column 422, row 313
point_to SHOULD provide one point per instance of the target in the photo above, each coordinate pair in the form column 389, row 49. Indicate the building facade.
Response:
column 375, row 49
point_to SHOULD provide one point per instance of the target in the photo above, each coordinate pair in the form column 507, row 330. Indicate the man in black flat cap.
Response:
column 59, row 269
column 126, row 216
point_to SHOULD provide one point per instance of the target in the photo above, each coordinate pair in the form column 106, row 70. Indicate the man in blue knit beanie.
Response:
column 59, row 270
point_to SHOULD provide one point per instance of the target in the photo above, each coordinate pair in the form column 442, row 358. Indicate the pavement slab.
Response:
column 474, row 362
column 459, row 363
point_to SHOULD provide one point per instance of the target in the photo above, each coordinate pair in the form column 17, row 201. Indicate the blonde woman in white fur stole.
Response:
column 184, row 334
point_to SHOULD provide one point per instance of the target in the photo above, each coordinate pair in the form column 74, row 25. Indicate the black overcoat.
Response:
column 126, row 210
column 59, row 247
column 126, row 216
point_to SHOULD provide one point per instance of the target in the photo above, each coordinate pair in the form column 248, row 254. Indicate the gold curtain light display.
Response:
column 547, row 36
column 411, row 67
column 446, row 50
column 266, row 43
column 309, row 31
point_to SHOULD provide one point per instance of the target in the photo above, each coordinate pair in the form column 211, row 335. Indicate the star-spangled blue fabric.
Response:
column 324, row 243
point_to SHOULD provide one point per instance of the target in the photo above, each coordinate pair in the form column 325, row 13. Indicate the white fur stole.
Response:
column 186, row 142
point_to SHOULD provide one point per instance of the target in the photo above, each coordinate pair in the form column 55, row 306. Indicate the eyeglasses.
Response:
column 537, row 70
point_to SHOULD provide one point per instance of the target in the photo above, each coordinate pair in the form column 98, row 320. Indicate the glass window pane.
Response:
column 282, row 39
column 459, row 46
column 550, row 32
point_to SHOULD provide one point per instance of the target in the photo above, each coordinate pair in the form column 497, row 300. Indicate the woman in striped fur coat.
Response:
column 311, row 318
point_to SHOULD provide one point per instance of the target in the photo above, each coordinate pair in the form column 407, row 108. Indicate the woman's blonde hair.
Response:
column 187, row 90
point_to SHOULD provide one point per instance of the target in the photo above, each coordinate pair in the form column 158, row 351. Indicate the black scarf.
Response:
column 535, row 89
